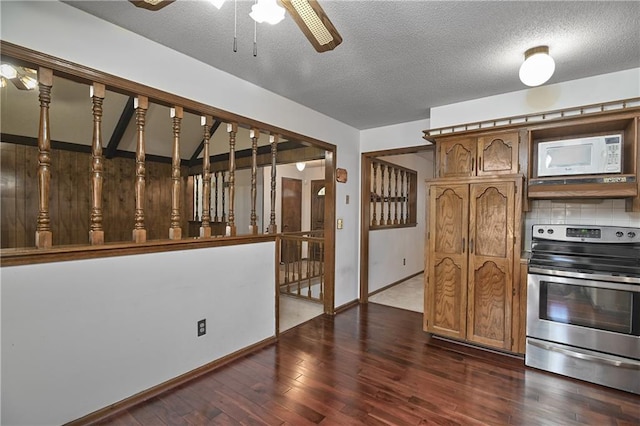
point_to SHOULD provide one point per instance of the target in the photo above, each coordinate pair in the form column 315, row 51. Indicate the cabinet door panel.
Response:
column 498, row 154
column 491, row 224
column 457, row 157
column 446, row 293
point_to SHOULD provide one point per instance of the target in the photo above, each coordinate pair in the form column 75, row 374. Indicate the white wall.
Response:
column 388, row 247
column 585, row 91
column 89, row 41
column 394, row 136
column 78, row 336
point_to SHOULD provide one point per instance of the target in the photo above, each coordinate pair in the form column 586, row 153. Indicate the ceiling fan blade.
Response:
column 314, row 23
column 152, row 4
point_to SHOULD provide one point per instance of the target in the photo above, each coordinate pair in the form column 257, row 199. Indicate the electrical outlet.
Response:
column 202, row 327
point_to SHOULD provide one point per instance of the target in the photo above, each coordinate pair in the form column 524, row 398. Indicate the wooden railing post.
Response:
column 175, row 231
column 205, row 228
column 43, row 235
column 141, row 104
column 215, row 218
column 389, row 172
column 395, row 216
column 224, row 213
column 374, row 220
column 232, row 129
column 96, row 233
column 254, row 134
column 404, row 198
column 273, row 228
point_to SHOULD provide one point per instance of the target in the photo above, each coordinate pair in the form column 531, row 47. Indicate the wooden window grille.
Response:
column 393, row 196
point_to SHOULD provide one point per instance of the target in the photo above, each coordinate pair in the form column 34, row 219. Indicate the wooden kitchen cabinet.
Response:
column 487, row 155
column 472, row 244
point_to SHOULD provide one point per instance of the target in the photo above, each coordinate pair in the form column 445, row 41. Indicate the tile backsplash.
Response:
column 585, row 212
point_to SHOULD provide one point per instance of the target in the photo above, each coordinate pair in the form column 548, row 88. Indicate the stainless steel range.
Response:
column 583, row 303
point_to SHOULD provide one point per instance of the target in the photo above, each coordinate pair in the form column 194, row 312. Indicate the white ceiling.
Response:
column 398, row 58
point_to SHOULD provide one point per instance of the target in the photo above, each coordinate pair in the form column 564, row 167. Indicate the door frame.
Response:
column 365, row 207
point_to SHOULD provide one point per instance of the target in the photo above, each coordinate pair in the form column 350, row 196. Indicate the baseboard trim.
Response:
column 133, row 400
column 346, row 306
column 470, row 349
column 387, row 287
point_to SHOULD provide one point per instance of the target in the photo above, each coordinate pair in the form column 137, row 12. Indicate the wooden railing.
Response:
column 300, row 269
column 136, row 218
column 393, row 195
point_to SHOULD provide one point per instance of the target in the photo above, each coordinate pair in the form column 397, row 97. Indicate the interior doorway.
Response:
column 291, row 208
column 317, row 215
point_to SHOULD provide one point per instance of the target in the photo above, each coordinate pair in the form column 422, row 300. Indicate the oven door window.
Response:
column 599, row 308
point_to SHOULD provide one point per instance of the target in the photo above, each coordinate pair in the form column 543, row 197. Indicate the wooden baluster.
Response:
column 299, row 263
column 273, row 228
column 308, row 269
column 43, row 236
column 404, row 199
column 224, row 212
column 254, row 134
column 382, row 200
column 196, row 185
column 232, row 129
column 321, row 270
column 175, row 231
column 205, row 227
column 374, row 220
column 141, row 104
column 389, row 200
column 96, row 233
column 406, row 210
column 215, row 218
column 395, row 217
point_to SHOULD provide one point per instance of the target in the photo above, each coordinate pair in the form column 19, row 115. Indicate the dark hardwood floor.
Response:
column 373, row 365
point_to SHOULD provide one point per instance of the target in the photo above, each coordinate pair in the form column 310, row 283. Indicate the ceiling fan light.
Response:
column 267, row 11
column 8, row 71
column 538, row 66
column 313, row 21
column 300, row 165
column 217, row 3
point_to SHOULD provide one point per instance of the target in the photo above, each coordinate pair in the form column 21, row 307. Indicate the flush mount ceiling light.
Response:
column 267, row 11
column 538, row 66
column 300, row 166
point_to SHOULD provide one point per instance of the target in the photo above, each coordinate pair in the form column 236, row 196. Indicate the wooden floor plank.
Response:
column 373, row 365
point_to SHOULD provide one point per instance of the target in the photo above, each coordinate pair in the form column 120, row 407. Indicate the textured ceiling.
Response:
column 398, row 58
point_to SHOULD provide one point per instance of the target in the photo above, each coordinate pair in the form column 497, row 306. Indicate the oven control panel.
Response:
column 587, row 233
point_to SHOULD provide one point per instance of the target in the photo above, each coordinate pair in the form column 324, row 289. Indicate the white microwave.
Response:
column 581, row 156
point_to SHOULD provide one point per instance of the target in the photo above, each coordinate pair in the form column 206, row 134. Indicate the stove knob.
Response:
column 619, row 234
column 549, row 231
column 631, row 234
column 540, row 231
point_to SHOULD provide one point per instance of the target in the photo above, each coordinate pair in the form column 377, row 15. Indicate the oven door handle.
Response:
column 626, row 283
column 576, row 353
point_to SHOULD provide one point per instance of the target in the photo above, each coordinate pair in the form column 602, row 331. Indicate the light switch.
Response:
column 339, row 223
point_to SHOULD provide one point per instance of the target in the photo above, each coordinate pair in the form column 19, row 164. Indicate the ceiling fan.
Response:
column 307, row 14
